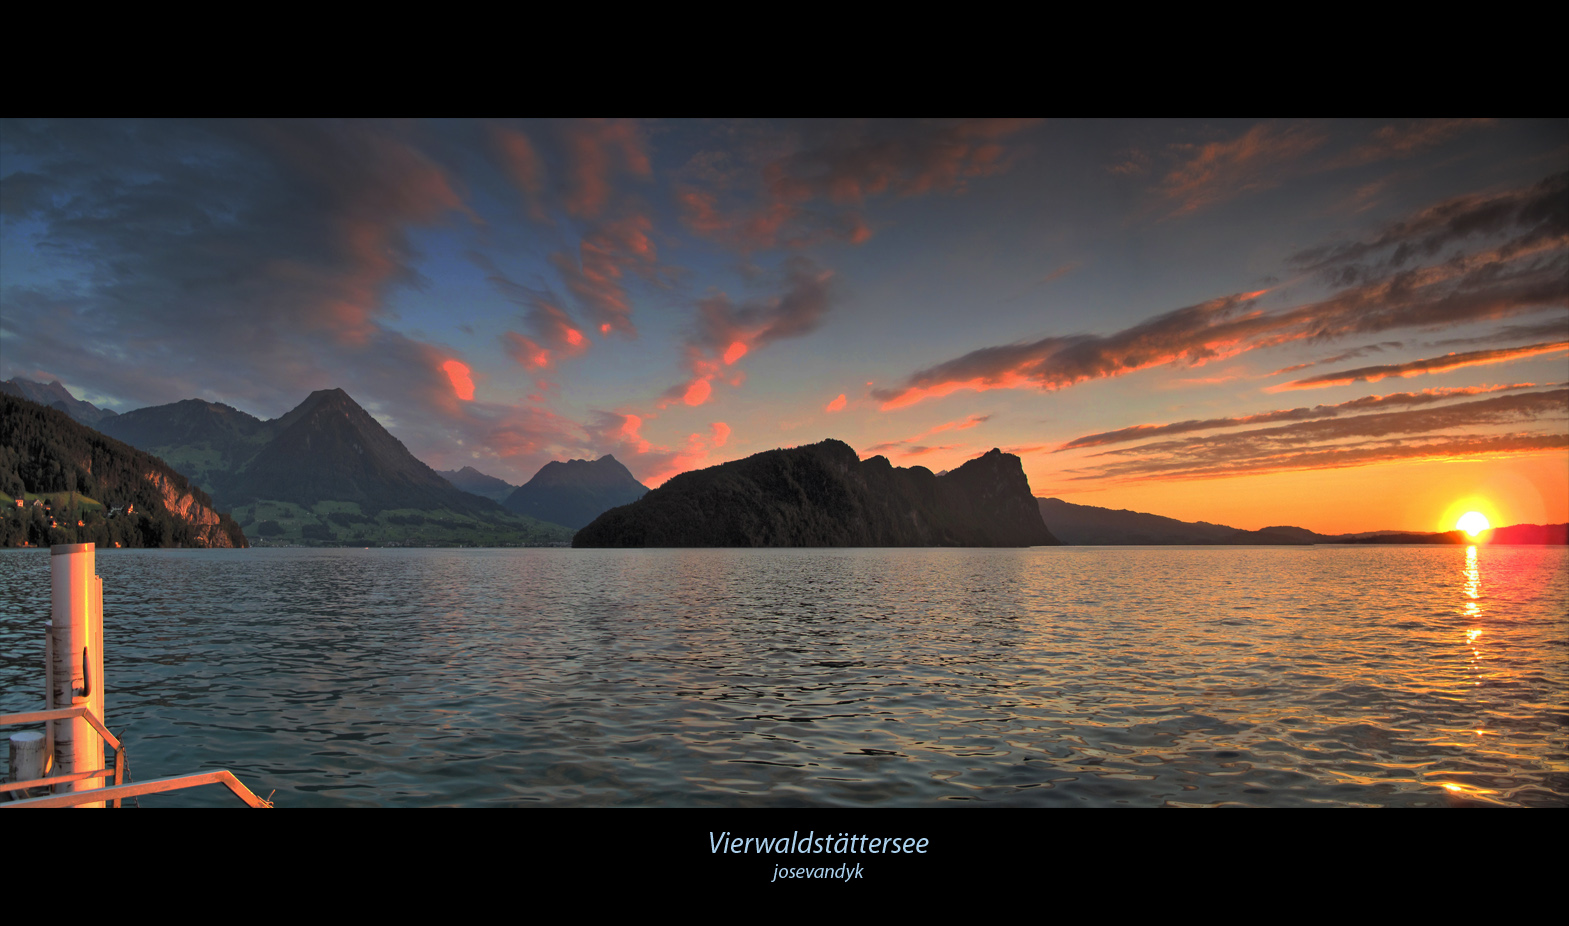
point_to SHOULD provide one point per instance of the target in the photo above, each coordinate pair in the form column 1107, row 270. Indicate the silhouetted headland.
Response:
column 824, row 495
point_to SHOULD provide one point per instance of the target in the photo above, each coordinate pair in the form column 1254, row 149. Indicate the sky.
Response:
column 1338, row 325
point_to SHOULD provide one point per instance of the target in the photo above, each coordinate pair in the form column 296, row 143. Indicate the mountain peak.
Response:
column 575, row 492
column 56, row 396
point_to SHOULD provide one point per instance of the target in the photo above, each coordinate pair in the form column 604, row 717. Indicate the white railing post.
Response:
column 27, row 758
column 77, row 629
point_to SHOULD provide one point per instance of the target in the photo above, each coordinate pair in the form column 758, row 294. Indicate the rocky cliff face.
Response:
column 824, row 495
column 178, row 499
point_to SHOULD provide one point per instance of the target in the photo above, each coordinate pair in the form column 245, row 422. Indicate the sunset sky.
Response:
column 1337, row 325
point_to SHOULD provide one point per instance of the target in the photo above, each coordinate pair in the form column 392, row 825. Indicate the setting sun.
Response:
column 1473, row 522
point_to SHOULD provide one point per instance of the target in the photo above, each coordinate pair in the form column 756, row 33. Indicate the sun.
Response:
column 1473, row 522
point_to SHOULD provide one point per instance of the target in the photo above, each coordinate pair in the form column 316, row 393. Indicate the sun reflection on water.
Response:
column 1473, row 582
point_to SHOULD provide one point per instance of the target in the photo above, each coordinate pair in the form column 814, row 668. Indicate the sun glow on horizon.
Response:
column 1474, row 514
column 1473, row 523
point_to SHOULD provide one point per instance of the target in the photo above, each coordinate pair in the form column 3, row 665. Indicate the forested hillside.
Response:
column 91, row 488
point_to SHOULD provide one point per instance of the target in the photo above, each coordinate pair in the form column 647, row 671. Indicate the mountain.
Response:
column 204, row 440
column 330, row 449
column 1088, row 525
column 120, row 495
column 824, row 495
column 57, row 397
column 475, row 482
column 576, row 492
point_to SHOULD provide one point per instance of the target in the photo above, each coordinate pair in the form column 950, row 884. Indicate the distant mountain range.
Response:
column 824, row 495
column 475, row 482
column 1086, row 525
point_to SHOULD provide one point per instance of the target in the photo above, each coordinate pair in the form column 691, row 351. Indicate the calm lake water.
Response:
column 1066, row 676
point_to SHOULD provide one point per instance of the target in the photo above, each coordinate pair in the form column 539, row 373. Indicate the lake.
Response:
column 1052, row 676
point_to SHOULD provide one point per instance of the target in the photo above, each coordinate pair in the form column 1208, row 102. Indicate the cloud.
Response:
column 595, row 275
column 908, row 446
column 1258, row 159
column 523, row 164
column 1194, row 334
column 597, row 150
column 1531, row 217
column 1418, row 367
column 1437, row 449
column 813, row 183
column 1406, row 139
column 552, row 332
column 836, row 404
column 245, row 262
column 651, row 464
column 1376, row 437
column 462, row 382
column 1346, row 355
column 1145, row 431
column 1557, row 328
column 1373, row 437
column 1527, row 272
column 726, row 331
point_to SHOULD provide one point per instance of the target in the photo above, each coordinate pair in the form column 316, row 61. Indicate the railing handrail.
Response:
column 64, row 713
column 155, row 786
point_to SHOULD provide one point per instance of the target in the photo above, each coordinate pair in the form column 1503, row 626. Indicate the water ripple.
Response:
column 1393, row 676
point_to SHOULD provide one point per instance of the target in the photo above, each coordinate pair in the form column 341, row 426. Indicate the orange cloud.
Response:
column 629, row 433
column 1426, row 433
column 659, row 464
column 905, row 446
column 697, row 393
column 526, row 351
column 1366, row 403
column 1418, row 367
column 727, row 332
column 836, row 404
column 1442, row 449
column 462, row 382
